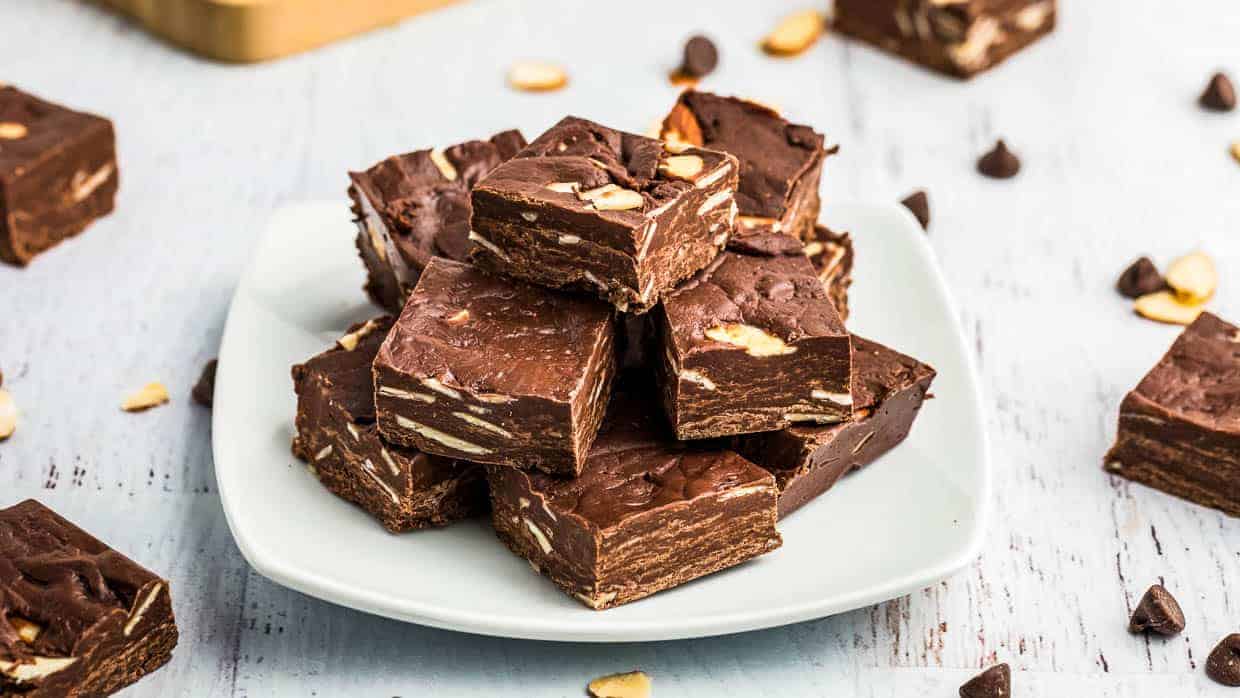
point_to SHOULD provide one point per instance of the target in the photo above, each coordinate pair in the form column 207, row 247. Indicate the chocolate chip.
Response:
column 1220, row 94
column 1158, row 612
column 701, row 57
column 999, row 163
column 204, row 390
column 1140, row 278
column 995, row 682
column 919, row 203
column 1224, row 663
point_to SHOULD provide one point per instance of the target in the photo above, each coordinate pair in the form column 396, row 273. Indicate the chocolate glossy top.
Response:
column 1199, row 378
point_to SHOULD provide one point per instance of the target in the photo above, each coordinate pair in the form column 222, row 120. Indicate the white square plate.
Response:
column 904, row 523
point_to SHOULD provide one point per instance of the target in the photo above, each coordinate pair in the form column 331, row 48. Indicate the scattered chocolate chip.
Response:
column 1158, row 612
column 999, row 163
column 995, row 682
column 919, row 203
column 1219, row 95
column 1140, row 278
column 701, row 57
column 1224, row 663
column 204, row 390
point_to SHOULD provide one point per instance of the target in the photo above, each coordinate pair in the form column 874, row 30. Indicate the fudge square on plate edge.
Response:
column 76, row 617
column 57, row 173
column 591, row 209
column 1179, row 429
column 403, row 488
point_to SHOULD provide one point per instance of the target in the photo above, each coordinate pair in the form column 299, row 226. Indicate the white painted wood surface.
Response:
column 1118, row 162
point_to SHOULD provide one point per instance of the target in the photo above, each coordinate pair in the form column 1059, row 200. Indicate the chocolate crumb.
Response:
column 1219, row 95
column 1224, row 663
column 999, row 163
column 1140, row 278
column 204, row 390
column 701, row 57
column 1158, row 612
column 919, row 203
column 995, row 682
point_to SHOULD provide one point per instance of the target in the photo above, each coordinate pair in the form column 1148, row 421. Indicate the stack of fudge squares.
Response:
column 630, row 351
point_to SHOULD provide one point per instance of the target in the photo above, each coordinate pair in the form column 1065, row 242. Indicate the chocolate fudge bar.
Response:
column 829, row 252
column 76, row 617
column 57, row 173
column 1179, row 430
column 888, row 389
column 403, row 488
column 588, row 208
column 492, row 370
column 780, row 162
column 753, row 343
column 957, row 37
column 411, row 207
column 646, row 514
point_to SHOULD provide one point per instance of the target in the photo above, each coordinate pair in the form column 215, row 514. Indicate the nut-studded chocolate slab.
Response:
column 493, row 370
column 780, row 162
column 888, row 390
column 646, row 514
column 58, row 173
column 76, row 617
column 958, row 37
column 403, row 488
column 753, row 343
column 592, row 209
column 409, row 208
column 1179, row 429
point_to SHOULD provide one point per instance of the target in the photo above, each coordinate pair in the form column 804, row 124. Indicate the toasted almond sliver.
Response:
column 11, row 130
column 8, row 415
column 795, row 33
column 537, row 76
column 1193, row 278
column 1163, row 306
column 445, row 167
column 1235, row 150
column 683, row 166
column 27, row 631
column 151, row 395
column 634, row 684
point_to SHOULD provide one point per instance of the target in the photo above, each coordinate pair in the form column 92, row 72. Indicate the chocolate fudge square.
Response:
column 830, row 253
column 57, row 173
column 411, row 207
column 753, row 343
column 592, row 209
column 646, row 514
column 888, row 390
column 1179, row 430
column 780, row 162
column 76, row 617
column 493, row 370
column 958, row 37
column 403, row 488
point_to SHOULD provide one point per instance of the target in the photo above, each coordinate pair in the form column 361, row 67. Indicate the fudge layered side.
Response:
column 646, row 514
column 753, row 344
column 403, row 488
column 58, row 173
column 780, row 162
column 591, row 209
column 492, row 370
column 958, row 37
column 76, row 617
column 888, row 389
column 1179, row 429
column 411, row 207
column 830, row 253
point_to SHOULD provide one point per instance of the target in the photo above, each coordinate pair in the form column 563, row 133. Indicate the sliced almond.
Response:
column 755, row 341
column 564, row 187
column 445, row 167
column 151, row 395
column 634, row 684
column 11, row 130
column 1193, row 278
column 1235, row 150
column 350, row 341
column 8, row 415
column 460, row 317
column 1163, row 306
column 795, row 33
column 682, row 166
column 27, row 631
column 610, row 197
column 537, row 76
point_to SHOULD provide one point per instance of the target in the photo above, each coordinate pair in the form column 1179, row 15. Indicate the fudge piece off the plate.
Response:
column 415, row 206
column 493, row 370
column 830, row 253
column 76, row 617
column 1179, row 429
column 958, row 37
column 588, row 208
column 57, row 173
column 888, row 389
column 780, row 162
column 752, row 343
column 403, row 488
column 646, row 514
